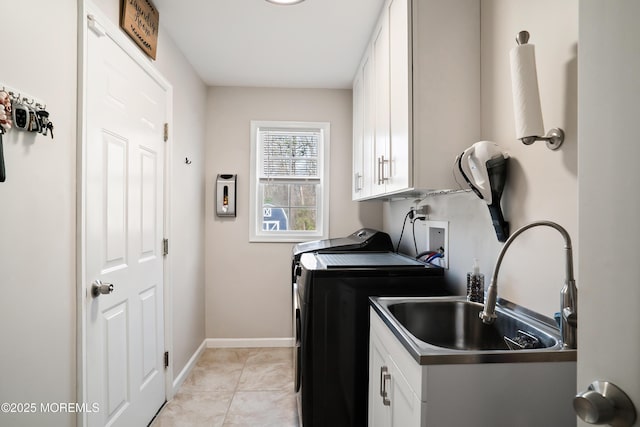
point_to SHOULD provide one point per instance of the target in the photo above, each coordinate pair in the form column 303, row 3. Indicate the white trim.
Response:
column 182, row 376
column 81, row 305
column 168, row 234
column 248, row 342
column 111, row 30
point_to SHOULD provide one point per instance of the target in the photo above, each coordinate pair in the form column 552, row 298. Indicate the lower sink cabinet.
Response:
column 403, row 393
column 392, row 402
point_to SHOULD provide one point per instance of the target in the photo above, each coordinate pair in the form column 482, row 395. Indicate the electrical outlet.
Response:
column 438, row 237
column 422, row 210
column 418, row 212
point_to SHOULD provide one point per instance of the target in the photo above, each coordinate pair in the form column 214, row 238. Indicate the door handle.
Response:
column 605, row 403
column 99, row 288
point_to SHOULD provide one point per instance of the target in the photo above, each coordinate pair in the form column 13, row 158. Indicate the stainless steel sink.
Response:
column 439, row 330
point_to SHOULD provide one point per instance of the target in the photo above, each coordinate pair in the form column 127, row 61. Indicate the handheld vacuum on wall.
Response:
column 484, row 168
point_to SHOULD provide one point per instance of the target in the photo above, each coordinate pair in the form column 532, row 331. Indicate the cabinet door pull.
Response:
column 381, row 177
column 384, row 377
column 357, row 178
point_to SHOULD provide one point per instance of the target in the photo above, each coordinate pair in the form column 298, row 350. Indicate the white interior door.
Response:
column 609, row 199
column 124, row 154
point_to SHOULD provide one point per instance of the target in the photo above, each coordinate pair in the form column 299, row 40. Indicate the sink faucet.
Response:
column 568, row 294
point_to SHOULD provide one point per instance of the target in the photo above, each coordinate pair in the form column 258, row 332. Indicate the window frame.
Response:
column 256, row 234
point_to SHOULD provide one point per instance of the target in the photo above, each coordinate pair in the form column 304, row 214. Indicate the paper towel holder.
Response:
column 555, row 137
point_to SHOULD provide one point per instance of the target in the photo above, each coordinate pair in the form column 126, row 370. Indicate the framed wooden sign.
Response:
column 140, row 20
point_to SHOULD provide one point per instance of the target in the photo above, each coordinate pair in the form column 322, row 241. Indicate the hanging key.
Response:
column 43, row 117
column 50, row 128
column 34, row 122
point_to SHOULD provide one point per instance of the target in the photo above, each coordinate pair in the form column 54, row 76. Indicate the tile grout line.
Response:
column 235, row 390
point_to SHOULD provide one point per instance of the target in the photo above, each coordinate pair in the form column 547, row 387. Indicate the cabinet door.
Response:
column 379, row 413
column 358, row 137
column 381, row 102
column 400, row 144
column 405, row 405
column 368, row 127
column 363, row 129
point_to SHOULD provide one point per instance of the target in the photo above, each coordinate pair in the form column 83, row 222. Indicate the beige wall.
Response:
column 248, row 284
column 542, row 184
column 186, row 241
column 37, row 217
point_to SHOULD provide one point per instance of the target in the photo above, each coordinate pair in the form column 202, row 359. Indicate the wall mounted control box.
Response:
column 226, row 195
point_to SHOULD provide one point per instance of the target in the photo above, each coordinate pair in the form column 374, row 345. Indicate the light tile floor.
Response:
column 250, row 387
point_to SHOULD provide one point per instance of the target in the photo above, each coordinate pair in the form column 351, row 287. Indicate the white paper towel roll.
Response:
column 526, row 97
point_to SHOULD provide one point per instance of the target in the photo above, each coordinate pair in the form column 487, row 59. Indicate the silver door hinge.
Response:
column 165, row 247
column 166, row 132
column 166, row 359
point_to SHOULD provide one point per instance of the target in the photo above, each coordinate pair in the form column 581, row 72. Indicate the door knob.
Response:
column 604, row 403
column 98, row 288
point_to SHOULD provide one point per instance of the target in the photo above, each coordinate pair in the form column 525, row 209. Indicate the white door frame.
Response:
column 85, row 8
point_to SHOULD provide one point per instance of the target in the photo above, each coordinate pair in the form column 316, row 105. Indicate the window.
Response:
column 289, row 181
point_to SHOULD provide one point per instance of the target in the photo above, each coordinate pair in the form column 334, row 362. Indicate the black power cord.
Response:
column 413, row 218
column 409, row 214
column 413, row 227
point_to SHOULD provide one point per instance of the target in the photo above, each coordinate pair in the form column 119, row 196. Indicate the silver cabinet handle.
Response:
column 99, row 288
column 384, row 377
column 357, row 178
column 381, row 177
column 604, row 403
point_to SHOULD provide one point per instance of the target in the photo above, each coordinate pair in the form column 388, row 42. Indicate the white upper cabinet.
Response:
column 363, row 129
column 381, row 103
column 399, row 99
column 358, row 135
column 416, row 97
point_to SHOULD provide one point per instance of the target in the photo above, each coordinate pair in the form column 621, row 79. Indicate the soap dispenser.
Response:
column 475, row 284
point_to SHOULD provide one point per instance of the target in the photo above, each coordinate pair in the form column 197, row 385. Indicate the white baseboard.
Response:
column 248, row 342
column 177, row 382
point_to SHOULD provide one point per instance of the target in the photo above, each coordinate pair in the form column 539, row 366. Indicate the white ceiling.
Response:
column 314, row 44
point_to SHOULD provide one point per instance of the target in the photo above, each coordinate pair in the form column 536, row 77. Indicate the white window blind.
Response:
column 289, row 153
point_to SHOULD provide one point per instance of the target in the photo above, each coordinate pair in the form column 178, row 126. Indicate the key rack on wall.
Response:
column 22, row 112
